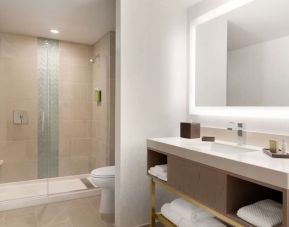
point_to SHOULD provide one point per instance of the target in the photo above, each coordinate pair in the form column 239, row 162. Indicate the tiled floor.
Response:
column 73, row 213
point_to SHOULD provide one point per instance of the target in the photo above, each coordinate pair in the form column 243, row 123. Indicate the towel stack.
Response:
column 184, row 214
column 159, row 171
column 265, row 213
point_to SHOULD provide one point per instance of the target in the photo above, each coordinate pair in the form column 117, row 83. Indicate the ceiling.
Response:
column 257, row 22
column 81, row 21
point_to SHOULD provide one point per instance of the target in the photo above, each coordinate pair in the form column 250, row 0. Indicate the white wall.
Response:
column 151, row 93
column 211, row 82
column 258, row 75
column 266, row 120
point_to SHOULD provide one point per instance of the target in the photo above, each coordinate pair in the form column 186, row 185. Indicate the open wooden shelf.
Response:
column 156, row 158
column 157, row 216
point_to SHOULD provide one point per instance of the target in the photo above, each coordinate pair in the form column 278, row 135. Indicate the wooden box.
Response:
column 190, row 130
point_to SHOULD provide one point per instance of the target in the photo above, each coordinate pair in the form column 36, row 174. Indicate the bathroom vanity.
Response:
column 220, row 177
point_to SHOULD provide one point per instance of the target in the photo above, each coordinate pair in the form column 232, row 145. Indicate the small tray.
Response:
column 275, row 155
column 208, row 139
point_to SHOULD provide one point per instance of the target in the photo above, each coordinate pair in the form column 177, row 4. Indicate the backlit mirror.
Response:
column 242, row 57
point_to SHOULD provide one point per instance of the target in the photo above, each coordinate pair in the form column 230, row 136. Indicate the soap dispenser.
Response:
column 284, row 147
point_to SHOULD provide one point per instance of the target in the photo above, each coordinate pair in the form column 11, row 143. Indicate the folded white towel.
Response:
column 159, row 174
column 189, row 211
column 170, row 214
column 185, row 214
column 161, row 168
column 207, row 222
column 265, row 213
column 185, row 208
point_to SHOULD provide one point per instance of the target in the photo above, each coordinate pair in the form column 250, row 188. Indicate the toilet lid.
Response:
column 105, row 172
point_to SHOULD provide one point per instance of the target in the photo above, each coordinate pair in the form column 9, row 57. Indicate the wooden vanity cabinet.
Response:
column 216, row 189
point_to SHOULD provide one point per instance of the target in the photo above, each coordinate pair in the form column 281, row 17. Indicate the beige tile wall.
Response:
column 103, row 114
column 75, row 108
column 18, row 91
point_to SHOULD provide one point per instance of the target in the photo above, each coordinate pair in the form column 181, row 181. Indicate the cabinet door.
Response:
column 212, row 188
column 183, row 175
column 204, row 184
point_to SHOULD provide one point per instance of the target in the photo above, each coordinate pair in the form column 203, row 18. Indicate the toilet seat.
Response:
column 104, row 172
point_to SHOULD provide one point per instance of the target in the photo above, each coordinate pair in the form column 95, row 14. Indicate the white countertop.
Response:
column 254, row 165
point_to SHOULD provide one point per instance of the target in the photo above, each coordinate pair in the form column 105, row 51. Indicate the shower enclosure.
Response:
column 54, row 128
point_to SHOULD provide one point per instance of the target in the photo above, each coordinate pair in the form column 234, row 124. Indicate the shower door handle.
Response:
column 43, row 122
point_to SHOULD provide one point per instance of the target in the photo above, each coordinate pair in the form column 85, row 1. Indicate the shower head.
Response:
column 93, row 59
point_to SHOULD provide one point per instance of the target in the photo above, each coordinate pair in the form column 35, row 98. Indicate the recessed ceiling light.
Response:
column 54, row 31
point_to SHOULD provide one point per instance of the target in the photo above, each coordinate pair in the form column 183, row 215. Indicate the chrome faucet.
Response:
column 241, row 133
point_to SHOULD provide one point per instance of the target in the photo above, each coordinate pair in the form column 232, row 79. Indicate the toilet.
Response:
column 104, row 178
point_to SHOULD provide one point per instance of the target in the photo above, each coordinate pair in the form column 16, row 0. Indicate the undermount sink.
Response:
column 224, row 148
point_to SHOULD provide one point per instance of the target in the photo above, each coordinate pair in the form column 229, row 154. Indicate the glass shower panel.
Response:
column 48, row 70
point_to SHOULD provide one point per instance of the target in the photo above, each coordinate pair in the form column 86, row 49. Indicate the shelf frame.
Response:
column 164, row 221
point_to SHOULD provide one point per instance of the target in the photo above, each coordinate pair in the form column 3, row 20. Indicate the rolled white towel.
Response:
column 161, row 168
column 265, row 213
column 200, row 215
column 170, row 214
column 186, row 209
